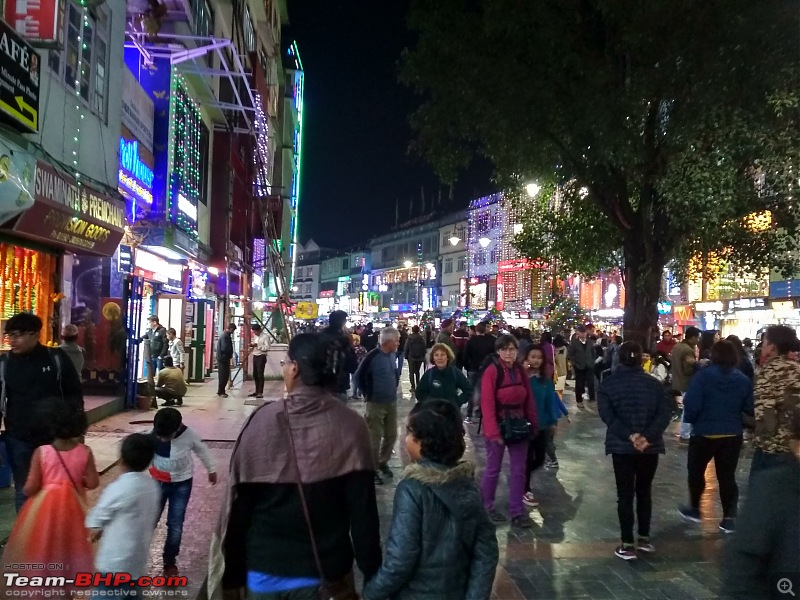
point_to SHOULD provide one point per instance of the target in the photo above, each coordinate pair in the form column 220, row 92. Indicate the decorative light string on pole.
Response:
column 262, row 183
column 80, row 72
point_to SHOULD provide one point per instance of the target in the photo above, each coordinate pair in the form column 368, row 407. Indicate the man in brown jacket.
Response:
column 171, row 386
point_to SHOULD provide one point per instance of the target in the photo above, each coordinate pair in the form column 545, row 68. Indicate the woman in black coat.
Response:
column 632, row 405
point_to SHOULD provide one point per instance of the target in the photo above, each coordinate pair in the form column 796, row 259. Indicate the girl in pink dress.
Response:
column 49, row 537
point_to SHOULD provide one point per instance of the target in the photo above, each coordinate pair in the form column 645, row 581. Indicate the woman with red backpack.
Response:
column 509, row 421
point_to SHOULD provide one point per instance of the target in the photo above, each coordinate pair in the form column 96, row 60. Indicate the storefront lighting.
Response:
column 484, row 242
column 408, row 264
column 429, row 266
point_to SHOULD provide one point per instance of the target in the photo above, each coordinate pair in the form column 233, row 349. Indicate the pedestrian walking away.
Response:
column 224, row 357
column 414, row 352
column 582, row 357
column 260, row 349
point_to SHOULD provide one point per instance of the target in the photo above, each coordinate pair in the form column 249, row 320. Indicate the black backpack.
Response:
column 416, row 348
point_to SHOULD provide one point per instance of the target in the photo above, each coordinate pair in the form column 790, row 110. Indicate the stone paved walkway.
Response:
column 568, row 553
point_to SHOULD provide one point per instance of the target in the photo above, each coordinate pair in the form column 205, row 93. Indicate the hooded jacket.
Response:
column 441, row 543
column 415, row 348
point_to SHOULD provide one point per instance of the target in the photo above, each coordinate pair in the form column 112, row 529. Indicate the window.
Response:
column 83, row 64
column 496, row 220
column 204, row 18
column 448, row 265
column 310, row 272
column 445, row 240
column 493, row 256
column 345, row 264
column 483, row 222
column 249, row 31
column 308, row 289
column 462, row 264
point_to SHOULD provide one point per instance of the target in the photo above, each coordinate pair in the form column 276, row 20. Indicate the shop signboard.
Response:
column 71, row 216
column 520, row 264
column 709, row 306
column 17, row 171
column 20, row 68
column 306, row 310
column 747, row 304
column 664, row 308
column 138, row 112
column 125, row 259
column 38, row 21
column 326, row 294
column 683, row 313
column 135, row 176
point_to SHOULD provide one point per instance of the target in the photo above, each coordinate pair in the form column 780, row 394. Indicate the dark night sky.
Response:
column 356, row 162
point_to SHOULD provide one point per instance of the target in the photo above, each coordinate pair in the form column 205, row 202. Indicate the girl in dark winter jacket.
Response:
column 632, row 405
column 441, row 543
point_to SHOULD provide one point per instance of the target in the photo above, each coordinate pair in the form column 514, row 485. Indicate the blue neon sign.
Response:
column 135, row 176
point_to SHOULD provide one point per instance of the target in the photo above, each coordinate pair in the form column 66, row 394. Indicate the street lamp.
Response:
column 484, row 242
column 533, row 189
column 408, row 264
column 454, row 240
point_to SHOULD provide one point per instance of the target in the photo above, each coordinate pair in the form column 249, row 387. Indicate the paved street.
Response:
column 568, row 553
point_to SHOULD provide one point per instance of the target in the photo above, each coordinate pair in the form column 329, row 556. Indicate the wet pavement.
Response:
column 569, row 553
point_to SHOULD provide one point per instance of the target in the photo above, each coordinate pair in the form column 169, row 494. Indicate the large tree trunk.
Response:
column 643, row 271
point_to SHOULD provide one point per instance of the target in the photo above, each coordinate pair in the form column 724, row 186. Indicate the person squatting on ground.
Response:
column 171, row 386
column 441, row 542
column 632, row 405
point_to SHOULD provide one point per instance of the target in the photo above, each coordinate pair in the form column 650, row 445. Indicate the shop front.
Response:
column 709, row 314
column 56, row 260
column 683, row 316
column 746, row 317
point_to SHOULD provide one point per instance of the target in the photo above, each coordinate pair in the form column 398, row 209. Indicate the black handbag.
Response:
column 513, row 429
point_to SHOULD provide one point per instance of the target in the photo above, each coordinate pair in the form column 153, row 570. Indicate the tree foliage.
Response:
column 655, row 127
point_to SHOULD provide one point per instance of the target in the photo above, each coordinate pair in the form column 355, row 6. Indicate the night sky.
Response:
column 356, row 162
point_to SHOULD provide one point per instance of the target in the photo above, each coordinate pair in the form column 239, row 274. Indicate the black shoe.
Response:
column 179, row 402
column 169, row 403
column 522, row 521
column 497, row 517
column 727, row 525
column 222, row 395
column 259, row 395
column 253, row 395
column 385, row 471
column 690, row 514
column 378, row 479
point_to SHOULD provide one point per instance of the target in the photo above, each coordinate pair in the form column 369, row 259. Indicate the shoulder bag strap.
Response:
column 302, row 494
column 63, row 464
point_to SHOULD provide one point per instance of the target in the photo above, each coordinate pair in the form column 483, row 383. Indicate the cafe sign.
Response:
column 75, row 217
column 20, row 68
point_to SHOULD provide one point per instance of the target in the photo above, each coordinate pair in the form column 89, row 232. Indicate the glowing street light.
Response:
column 533, row 189
column 484, row 242
column 454, row 240
column 408, row 264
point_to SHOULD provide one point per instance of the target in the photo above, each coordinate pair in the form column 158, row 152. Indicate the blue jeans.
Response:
column 20, row 455
column 400, row 360
column 177, row 494
column 766, row 460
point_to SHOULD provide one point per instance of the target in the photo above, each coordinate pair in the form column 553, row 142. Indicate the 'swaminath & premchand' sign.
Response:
column 19, row 79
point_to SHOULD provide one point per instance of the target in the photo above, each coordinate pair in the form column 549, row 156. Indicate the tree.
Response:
column 656, row 128
column 564, row 314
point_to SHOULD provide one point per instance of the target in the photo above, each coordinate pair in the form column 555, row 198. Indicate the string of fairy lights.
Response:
column 185, row 156
column 80, row 72
column 261, row 157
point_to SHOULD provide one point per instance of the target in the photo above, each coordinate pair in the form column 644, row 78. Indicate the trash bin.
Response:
column 5, row 469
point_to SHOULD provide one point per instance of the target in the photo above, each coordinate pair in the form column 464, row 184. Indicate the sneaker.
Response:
column 497, row 517
column 378, row 479
column 253, row 395
column 727, row 525
column 522, row 521
column 551, row 464
column 169, row 403
column 529, row 500
column 690, row 514
column 385, row 471
column 222, row 395
column 644, row 545
column 259, row 395
column 469, row 421
column 626, row 552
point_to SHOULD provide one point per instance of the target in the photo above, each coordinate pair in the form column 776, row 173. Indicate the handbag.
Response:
column 343, row 589
column 513, row 429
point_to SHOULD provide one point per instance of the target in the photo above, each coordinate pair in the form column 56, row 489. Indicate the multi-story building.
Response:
column 149, row 122
column 452, row 260
column 306, row 282
column 404, row 267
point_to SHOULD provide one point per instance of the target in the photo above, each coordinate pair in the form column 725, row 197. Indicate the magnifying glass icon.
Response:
column 785, row 587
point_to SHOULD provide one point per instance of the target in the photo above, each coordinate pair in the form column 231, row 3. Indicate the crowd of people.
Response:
column 301, row 504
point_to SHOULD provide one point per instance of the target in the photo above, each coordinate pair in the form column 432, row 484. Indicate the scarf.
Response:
column 330, row 440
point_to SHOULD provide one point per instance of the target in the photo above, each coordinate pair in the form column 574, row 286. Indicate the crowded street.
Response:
column 564, row 556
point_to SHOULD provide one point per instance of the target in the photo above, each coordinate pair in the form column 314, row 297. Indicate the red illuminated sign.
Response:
column 326, row 294
column 35, row 20
column 520, row 264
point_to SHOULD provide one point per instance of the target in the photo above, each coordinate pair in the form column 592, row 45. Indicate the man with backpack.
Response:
column 37, row 383
column 414, row 353
column 478, row 349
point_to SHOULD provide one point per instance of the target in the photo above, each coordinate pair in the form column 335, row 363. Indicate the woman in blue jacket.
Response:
column 717, row 398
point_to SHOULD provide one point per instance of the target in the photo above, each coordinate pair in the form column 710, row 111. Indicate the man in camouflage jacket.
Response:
column 777, row 391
